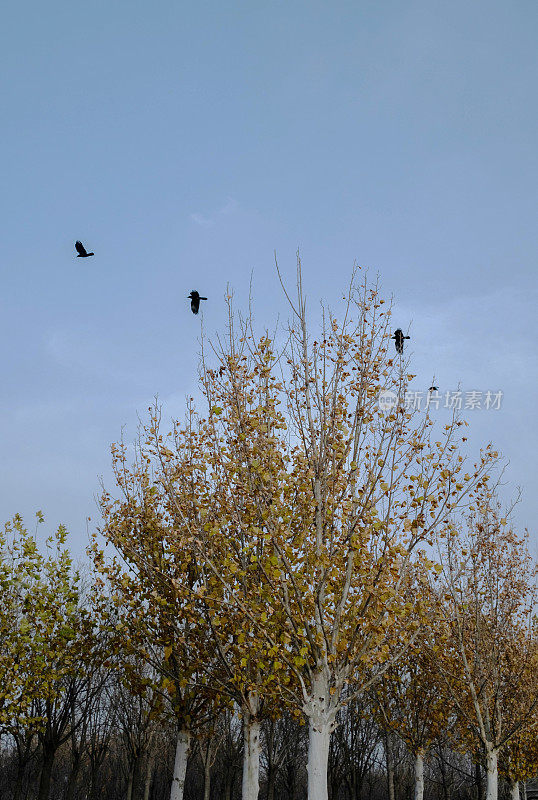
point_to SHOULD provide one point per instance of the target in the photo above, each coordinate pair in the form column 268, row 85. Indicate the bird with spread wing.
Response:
column 195, row 300
column 399, row 340
column 81, row 250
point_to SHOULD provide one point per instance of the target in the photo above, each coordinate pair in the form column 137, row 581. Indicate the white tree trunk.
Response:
column 389, row 758
column 319, row 737
column 207, row 780
column 492, row 773
column 514, row 790
column 321, row 713
column 180, row 765
column 419, row 774
column 251, row 751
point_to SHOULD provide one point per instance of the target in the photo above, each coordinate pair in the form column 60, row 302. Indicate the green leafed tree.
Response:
column 51, row 650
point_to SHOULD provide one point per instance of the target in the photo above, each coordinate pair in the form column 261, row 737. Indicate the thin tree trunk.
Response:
column 94, row 782
column 147, row 780
column 492, row 773
column 390, row 780
column 390, row 767
column 73, row 775
column 229, row 787
column 478, row 780
column 18, row 782
column 21, row 769
column 180, row 764
column 271, row 778
column 443, row 773
column 97, row 757
column 49, row 753
column 207, row 778
column 270, row 768
column 251, row 752
column 208, row 751
column 419, row 774
column 129, row 793
column 24, row 749
column 514, row 790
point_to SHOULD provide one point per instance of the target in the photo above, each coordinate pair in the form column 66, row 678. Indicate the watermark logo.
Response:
column 388, row 400
column 456, row 400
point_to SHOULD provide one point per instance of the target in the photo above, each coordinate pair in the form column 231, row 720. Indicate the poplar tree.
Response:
column 148, row 590
column 488, row 600
column 303, row 499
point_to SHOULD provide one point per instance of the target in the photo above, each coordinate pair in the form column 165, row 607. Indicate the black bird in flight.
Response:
column 433, row 389
column 81, row 250
column 195, row 301
column 399, row 340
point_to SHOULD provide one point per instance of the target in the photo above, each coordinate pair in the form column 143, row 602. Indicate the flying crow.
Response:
column 399, row 340
column 81, row 250
column 195, row 301
column 433, row 389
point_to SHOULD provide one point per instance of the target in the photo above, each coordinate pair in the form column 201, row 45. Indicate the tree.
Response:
column 20, row 567
column 357, row 738
column 411, row 695
column 52, row 655
column 519, row 757
column 488, row 597
column 156, row 617
column 68, row 654
column 300, row 500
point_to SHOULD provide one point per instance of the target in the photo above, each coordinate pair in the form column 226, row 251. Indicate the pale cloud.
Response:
column 75, row 349
column 199, row 219
column 85, row 353
column 230, row 206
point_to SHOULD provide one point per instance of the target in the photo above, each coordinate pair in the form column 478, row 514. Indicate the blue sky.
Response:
column 185, row 142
